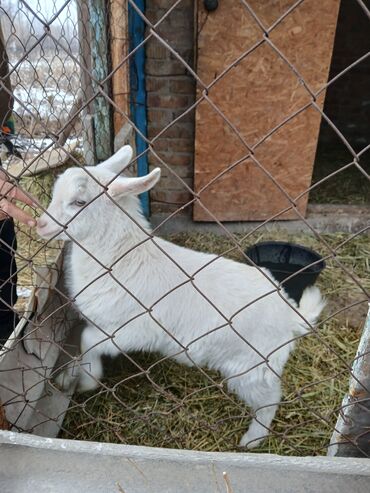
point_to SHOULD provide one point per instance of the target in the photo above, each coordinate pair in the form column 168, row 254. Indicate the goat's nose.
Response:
column 41, row 223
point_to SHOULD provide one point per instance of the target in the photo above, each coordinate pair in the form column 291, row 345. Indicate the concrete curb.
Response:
column 31, row 463
column 327, row 218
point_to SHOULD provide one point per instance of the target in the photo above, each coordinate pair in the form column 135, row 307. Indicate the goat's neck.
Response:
column 124, row 235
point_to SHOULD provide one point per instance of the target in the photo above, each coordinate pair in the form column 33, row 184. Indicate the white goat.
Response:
column 142, row 293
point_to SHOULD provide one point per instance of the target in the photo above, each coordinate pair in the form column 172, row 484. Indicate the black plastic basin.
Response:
column 283, row 260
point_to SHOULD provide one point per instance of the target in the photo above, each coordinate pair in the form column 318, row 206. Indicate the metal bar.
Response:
column 138, row 92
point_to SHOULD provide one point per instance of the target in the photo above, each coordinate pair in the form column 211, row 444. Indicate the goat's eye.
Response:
column 79, row 203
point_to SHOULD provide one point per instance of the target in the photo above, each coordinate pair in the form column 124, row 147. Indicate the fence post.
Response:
column 100, row 59
column 86, row 83
column 118, row 27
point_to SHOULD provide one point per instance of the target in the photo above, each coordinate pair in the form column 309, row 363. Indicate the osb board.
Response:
column 259, row 93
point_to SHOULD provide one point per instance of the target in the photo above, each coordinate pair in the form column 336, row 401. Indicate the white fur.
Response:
column 141, row 294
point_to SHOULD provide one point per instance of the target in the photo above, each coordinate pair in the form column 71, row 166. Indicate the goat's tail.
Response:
column 310, row 306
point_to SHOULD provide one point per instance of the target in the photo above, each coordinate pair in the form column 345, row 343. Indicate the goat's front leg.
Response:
column 88, row 368
column 91, row 367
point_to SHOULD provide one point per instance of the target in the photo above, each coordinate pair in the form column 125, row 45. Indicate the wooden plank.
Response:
column 257, row 95
column 52, row 158
column 119, row 50
column 100, row 54
column 84, row 36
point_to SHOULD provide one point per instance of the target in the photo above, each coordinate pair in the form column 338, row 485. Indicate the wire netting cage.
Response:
column 238, row 129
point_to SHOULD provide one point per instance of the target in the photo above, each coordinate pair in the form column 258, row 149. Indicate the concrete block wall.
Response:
column 170, row 91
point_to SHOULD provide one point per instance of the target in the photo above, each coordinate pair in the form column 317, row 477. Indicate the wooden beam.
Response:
column 119, row 50
column 100, row 54
column 50, row 159
column 84, row 36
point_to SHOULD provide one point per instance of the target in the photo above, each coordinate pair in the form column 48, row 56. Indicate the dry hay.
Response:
column 350, row 186
column 169, row 405
column 186, row 409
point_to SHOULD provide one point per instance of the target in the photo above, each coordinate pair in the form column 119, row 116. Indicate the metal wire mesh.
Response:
column 70, row 99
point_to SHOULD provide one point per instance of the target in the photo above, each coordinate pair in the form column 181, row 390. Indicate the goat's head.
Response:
column 84, row 198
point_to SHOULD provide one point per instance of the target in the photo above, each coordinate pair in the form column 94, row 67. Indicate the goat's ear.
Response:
column 119, row 161
column 134, row 186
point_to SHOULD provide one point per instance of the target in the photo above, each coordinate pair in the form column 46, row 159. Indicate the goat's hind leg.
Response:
column 263, row 396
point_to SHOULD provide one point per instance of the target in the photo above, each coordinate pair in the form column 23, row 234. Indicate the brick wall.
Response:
column 170, row 91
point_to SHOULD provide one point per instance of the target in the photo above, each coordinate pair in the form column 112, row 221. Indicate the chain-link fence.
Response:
column 186, row 341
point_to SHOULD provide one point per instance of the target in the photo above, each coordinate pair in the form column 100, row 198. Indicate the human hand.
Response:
column 10, row 192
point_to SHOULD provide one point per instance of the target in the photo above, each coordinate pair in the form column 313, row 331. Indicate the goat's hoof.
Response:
column 66, row 379
column 87, row 384
column 250, row 440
